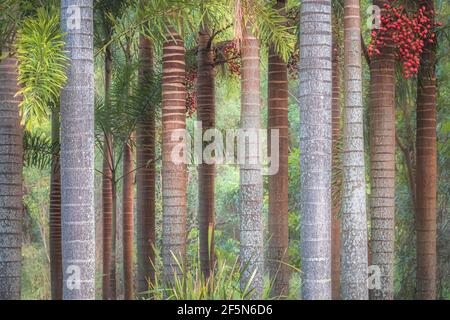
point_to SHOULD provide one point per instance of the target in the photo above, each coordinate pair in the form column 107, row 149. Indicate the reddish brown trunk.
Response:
column 108, row 207
column 113, row 266
column 206, row 172
column 382, row 163
column 174, row 177
column 55, row 214
column 145, row 177
column 426, row 172
column 383, row 177
column 278, row 183
column 107, row 195
column 127, row 223
column 337, row 178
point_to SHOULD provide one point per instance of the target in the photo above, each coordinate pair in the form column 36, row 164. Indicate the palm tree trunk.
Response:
column 145, row 178
column 382, row 165
column 127, row 220
column 113, row 262
column 127, row 224
column 354, row 219
column 10, row 182
column 206, row 172
column 251, row 187
column 107, row 187
column 55, row 213
column 336, row 170
column 77, row 154
column 426, row 171
column 315, row 99
column 278, row 183
column 174, row 176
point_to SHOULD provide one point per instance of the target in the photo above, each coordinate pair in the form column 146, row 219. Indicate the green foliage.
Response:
column 153, row 18
column 156, row 17
column 38, row 150
column 223, row 283
column 227, row 204
column 270, row 26
column 294, row 179
column 129, row 99
column 42, row 63
column 105, row 13
column 294, row 208
column 7, row 24
column 35, row 251
column 35, row 273
column 163, row 14
column 11, row 14
column 405, row 260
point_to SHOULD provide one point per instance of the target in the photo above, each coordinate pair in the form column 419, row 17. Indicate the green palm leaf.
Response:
column 42, row 63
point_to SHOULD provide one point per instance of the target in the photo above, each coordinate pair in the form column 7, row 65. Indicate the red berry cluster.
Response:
column 409, row 31
column 191, row 97
column 292, row 65
column 232, row 54
column 229, row 55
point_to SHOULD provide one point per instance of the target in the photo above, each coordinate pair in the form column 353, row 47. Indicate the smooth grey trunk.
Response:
column 77, row 153
column 10, row 182
column 315, row 76
column 251, row 184
column 354, row 219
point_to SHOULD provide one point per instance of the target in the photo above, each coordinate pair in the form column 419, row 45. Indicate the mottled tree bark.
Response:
column 354, row 219
column 337, row 175
column 55, row 213
column 127, row 222
column 145, row 177
column 77, row 153
column 107, row 188
column 251, row 187
column 206, row 172
column 315, row 100
column 426, row 171
column 278, row 183
column 174, row 175
column 10, row 182
column 382, row 165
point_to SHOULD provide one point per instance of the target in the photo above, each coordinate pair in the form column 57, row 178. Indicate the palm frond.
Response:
column 12, row 13
column 271, row 27
column 42, row 63
column 130, row 99
column 38, row 150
